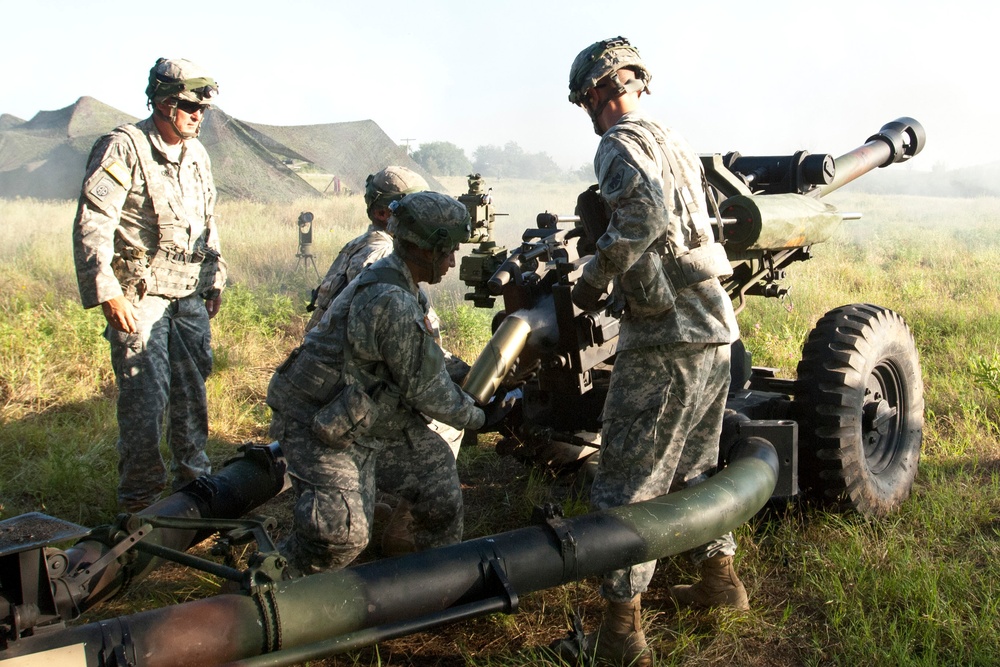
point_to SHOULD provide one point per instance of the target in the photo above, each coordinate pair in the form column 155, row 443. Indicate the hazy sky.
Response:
column 764, row 78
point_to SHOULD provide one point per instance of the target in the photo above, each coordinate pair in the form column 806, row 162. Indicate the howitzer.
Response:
column 849, row 428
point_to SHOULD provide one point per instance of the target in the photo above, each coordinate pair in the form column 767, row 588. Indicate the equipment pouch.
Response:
column 648, row 290
column 349, row 415
column 594, row 219
column 208, row 273
column 171, row 275
column 705, row 262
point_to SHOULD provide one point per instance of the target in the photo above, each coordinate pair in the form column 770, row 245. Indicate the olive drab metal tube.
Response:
column 897, row 141
column 426, row 588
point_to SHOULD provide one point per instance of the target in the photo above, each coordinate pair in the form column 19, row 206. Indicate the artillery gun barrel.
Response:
column 323, row 613
column 897, row 141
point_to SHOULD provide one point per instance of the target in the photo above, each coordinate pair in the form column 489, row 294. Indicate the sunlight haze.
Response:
column 761, row 78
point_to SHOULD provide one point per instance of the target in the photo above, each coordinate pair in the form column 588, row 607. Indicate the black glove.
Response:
column 498, row 408
column 587, row 297
column 457, row 368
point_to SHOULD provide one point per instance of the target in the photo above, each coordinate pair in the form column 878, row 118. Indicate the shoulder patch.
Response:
column 120, row 173
column 103, row 188
column 618, row 178
column 431, row 327
column 426, row 326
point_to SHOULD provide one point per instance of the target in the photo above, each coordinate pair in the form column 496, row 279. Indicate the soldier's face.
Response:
column 187, row 116
column 445, row 262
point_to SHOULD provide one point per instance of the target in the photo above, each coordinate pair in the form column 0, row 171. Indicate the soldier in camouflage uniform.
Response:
column 146, row 248
column 375, row 347
column 381, row 190
column 663, row 414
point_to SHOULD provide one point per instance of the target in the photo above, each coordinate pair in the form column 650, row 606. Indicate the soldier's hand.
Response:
column 120, row 314
column 213, row 306
column 519, row 375
column 497, row 409
column 586, row 296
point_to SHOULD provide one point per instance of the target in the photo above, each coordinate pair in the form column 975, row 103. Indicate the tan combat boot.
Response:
column 397, row 537
column 621, row 641
column 719, row 587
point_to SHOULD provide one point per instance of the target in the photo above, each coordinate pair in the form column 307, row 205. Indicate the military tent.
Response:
column 45, row 157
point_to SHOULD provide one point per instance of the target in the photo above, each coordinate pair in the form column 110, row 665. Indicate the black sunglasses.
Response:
column 192, row 107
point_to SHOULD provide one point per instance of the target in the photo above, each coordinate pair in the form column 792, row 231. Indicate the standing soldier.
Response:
column 352, row 402
column 146, row 247
column 663, row 414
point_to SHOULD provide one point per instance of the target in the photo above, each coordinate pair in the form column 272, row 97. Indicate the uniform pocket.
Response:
column 345, row 418
column 648, row 290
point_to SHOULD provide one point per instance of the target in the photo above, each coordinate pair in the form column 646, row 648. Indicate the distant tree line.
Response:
column 443, row 158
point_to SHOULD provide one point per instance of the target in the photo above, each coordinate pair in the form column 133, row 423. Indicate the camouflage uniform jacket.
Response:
column 387, row 328
column 117, row 227
column 358, row 253
column 632, row 169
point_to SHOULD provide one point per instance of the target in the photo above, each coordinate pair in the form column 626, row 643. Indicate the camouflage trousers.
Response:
column 335, row 492
column 452, row 436
column 661, row 425
column 161, row 371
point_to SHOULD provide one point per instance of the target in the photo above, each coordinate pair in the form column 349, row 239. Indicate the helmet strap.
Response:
column 414, row 259
column 429, row 267
column 631, row 86
column 436, row 274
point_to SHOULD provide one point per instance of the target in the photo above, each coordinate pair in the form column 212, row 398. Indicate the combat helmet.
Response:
column 600, row 60
column 180, row 79
column 391, row 184
column 430, row 221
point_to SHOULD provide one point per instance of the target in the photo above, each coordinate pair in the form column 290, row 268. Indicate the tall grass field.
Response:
column 920, row 587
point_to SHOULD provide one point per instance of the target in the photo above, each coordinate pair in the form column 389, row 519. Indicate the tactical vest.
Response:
column 173, row 271
column 339, row 401
column 651, row 284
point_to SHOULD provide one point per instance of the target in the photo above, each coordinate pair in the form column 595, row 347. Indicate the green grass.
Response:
column 917, row 588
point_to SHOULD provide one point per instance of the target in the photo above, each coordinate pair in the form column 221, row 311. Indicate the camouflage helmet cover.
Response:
column 181, row 79
column 430, row 220
column 391, row 184
column 601, row 59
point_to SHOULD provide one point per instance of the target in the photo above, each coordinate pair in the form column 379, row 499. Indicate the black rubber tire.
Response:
column 859, row 403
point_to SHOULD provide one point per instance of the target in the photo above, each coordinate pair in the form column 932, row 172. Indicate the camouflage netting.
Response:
column 45, row 157
column 351, row 150
column 243, row 167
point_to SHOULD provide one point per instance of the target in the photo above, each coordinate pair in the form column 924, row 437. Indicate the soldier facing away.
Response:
column 146, row 247
column 353, row 401
column 663, row 414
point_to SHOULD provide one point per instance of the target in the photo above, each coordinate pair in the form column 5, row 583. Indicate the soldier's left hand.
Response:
column 587, row 297
column 213, row 306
